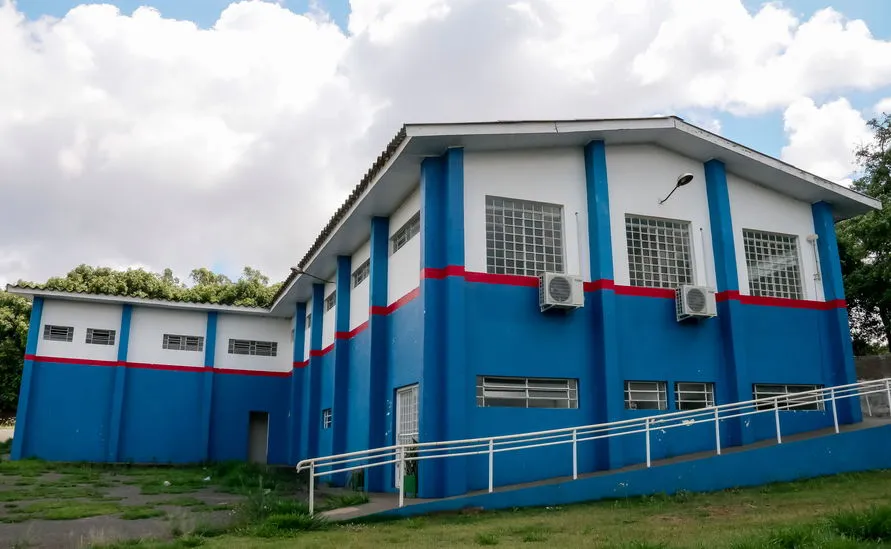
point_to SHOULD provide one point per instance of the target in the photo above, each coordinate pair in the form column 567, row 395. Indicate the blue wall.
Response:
column 235, row 397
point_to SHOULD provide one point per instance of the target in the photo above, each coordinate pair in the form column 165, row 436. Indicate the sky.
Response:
column 211, row 133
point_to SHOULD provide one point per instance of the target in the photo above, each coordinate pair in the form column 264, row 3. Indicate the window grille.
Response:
column 788, row 399
column 659, row 253
column 100, row 337
column 309, row 321
column 58, row 333
column 693, row 396
column 331, row 301
column 253, row 348
column 772, row 264
column 646, row 395
column 327, row 418
column 523, row 237
column 361, row 273
column 521, row 392
column 405, row 233
column 183, row 342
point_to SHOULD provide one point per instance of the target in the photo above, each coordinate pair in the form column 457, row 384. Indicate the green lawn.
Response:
column 844, row 511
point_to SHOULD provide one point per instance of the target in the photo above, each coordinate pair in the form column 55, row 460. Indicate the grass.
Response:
column 839, row 512
column 141, row 512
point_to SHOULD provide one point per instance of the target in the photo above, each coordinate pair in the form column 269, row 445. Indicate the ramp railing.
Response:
column 398, row 455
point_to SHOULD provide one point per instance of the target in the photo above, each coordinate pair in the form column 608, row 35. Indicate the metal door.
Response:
column 406, row 420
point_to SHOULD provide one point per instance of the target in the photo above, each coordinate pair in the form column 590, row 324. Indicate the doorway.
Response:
column 406, row 420
column 258, row 437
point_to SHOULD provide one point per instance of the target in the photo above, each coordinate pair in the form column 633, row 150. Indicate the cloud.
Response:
column 139, row 139
column 883, row 106
column 822, row 139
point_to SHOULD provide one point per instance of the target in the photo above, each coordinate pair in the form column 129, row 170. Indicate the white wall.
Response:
column 236, row 326
column 81, row 316
column 639, row 177
column 147, row 329
column 404, row 268
column 758, row 208
column 359, row 296
column 328, row 318
column 556, row 176
column 307, row 336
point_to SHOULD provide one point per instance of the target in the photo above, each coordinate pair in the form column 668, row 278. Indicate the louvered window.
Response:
column 58, row 333
column 405, row 233
column 361, row 273
column 522, row 392
column 646, row 395
column 100, row 337
column 254, row 348
column 175, row 342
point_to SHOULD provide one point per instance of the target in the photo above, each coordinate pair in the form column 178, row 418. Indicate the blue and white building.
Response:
column 482, row 279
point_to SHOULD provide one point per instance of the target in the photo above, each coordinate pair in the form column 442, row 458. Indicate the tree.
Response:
column 865, row 246
column 15, row 314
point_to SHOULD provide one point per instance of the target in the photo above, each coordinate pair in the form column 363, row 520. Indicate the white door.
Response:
column 406, row 420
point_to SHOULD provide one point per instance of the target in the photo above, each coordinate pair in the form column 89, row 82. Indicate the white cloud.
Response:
column 822, row 139
column 144, row 140
column 883, row 106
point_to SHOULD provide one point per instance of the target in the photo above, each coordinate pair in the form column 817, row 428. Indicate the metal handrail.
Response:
column 396, row 454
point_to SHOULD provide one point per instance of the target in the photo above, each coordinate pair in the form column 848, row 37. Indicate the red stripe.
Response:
column 644, row 292
column 598, row 285
column 79, row 361
column 163, row 367
column 251, row 372
column 352, row 333
column 322, row 352
column 505, row 280
column 302, row 364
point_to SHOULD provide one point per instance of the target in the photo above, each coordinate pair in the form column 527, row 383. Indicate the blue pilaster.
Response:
column 298, row 370
column 606, row 402
column 841, row 351
column 120, row 383
column 21, row 418
column 314, row 389
column 734, row 384
column 445, row 358
column 210, row 347
column 379, row 385
column 341, row 356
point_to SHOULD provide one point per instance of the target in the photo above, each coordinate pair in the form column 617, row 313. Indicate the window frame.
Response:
column 330, row 301
column 760, row 239
column 253, row 346
column 784, row 404
column 327, row 418
column 638, row 275
column 48, row 333
column 405, row 233
column 308, row 323
column 184, row 343
column 661, row 392
column 520, row 239
column 708, row 390
column 362, row 273
column 110, row 337
column 524, row 392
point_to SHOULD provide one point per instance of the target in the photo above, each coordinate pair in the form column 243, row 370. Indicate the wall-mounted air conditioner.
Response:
column 695, row 302
column 560, row 291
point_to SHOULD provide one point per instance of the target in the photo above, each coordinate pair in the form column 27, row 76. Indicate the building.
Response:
column 416, row 313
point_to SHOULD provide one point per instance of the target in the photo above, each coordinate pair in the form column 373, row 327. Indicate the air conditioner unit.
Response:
column 560, row 291
column 695, row 302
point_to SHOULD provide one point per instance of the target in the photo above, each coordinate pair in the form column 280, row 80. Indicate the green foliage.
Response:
column 252, row 289
column 865, row 246
column 872, row 524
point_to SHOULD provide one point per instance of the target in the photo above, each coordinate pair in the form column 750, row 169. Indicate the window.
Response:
column 405, row 233
column 331, row 301
column 183, row 343
column 521, row 392
column 327, row 418
column 693, row 396
column 646, row 395
column 58, row 333
column 361, row 273
column 254, row 348
column 790, row 402
column 772, row 263
column 100, row 337
column 522, row 237
column 658, row 252
column 309, row 321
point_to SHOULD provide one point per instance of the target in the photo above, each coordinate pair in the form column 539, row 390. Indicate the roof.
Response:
column 32, row 291
column 398, row 165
